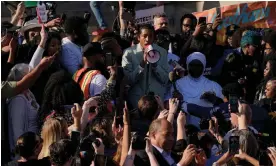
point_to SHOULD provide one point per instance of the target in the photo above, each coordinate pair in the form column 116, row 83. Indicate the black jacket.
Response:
column 142, row 159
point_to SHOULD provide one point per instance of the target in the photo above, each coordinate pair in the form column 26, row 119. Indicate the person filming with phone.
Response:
column 146, row 66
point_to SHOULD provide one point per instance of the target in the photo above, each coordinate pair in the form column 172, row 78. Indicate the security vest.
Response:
column 84, row 77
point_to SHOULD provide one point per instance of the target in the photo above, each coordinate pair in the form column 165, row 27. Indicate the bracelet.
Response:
column 130, row 157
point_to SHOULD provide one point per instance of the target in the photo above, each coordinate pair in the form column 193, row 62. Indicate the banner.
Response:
column 146, row 16
column 256, row 14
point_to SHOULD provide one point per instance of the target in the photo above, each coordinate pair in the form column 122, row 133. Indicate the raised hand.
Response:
column 173, row 105
column 76, row 111
column 181, row 119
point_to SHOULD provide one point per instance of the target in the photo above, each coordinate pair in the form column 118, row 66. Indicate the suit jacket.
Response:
column 142, row 158
column 151, row 79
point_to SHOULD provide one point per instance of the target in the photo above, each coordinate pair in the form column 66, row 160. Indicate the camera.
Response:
column 204, row 123
column 138, row 141
column 86, row 152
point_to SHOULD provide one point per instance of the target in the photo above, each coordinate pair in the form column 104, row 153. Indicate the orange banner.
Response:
column 257, row 14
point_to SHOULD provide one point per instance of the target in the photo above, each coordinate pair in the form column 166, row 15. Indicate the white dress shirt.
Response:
column 71, row 58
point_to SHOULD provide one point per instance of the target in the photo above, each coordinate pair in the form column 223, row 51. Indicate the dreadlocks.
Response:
column 60, row 90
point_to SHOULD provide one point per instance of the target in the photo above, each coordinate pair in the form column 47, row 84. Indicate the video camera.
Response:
column 85, row 153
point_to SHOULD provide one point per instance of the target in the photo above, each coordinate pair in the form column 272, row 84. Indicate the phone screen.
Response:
column 218, row 11
column 202, row 20
column 109, row 61
column 234, row 144
column 75, row 137
column 233, row 101
column 68, row 107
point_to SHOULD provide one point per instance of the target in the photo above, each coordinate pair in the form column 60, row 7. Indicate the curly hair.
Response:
column 60, row 90
column 190, row 16
column 61, row 152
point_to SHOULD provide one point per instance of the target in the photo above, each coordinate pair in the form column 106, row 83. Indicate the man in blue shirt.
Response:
column 76, row 37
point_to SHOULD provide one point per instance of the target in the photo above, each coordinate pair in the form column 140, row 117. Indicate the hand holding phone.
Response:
column 234, row 105
column 234, row 144
column 202, row 20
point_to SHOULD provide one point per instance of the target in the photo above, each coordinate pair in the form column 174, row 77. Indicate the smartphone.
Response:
column 75, row 138
column 63, row 17
column 233, row 101
column 119, row 121
column 109, row 60
column 68, row 107
column 234, row 144
column 172, row 63
column 202, row 20
column 218, row 11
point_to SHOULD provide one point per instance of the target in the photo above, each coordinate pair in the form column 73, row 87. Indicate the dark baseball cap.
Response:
column 92, row 49
column 6, row 25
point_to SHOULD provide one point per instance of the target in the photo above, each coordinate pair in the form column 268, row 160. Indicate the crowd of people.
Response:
column 136, row 94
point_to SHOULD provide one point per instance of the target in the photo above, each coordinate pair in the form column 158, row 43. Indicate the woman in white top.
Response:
column 194, row 85
column 22, row 108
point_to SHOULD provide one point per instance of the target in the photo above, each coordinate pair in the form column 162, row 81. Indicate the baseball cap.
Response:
column 92, row 49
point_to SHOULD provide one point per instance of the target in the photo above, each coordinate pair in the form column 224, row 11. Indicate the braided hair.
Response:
column 60, row 90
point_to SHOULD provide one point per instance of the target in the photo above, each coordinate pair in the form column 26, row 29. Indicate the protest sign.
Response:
column 146, row 16
column 41, row 12
column 256, row 14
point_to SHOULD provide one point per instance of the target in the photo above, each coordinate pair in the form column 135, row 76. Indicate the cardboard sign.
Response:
column 146, row 16
column 41, row 12
column 256, row 14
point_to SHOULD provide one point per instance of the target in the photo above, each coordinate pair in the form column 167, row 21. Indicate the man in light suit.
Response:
column 145, row 77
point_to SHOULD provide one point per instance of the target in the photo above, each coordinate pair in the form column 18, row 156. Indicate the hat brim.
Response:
column 28, row 27
column 13, row 28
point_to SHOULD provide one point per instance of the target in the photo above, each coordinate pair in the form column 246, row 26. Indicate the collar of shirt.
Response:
column 164, row 153
column 139, row 47
column 66, row 41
